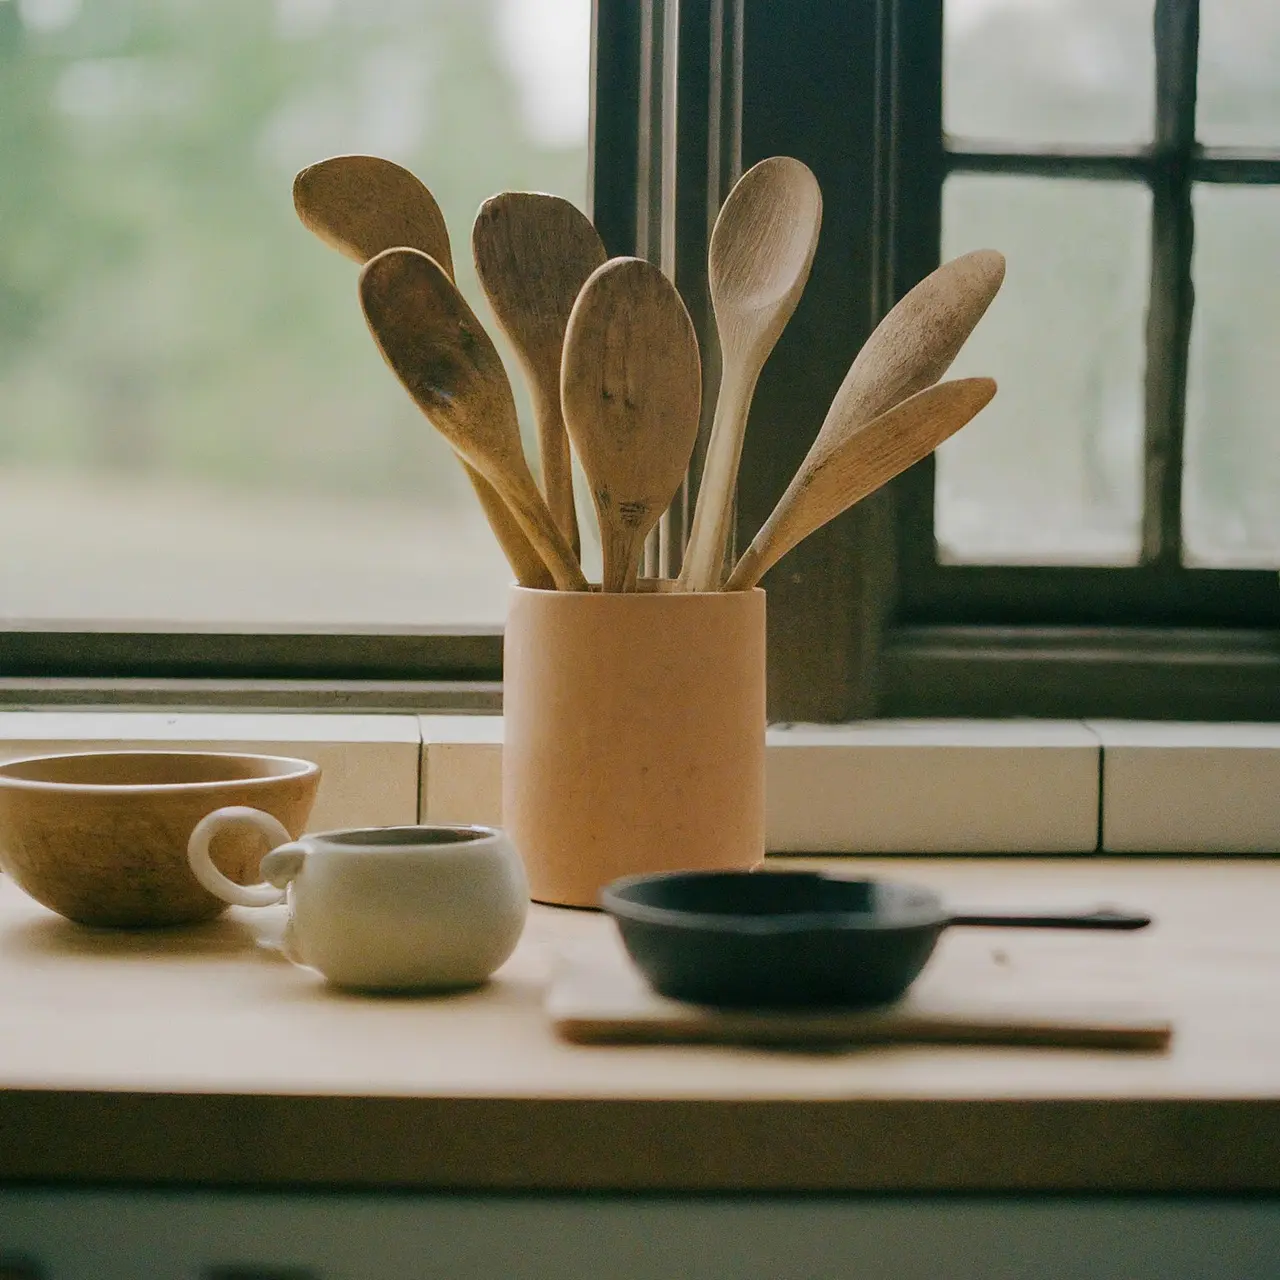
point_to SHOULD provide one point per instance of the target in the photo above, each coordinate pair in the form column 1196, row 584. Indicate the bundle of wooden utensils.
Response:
column 613, row 365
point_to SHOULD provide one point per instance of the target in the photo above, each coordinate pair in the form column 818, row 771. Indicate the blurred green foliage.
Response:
column 161, row 308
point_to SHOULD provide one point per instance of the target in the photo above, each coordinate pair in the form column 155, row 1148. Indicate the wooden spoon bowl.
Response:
column 631, row 386
column 533, row 253
column 364, row 205
column 761, row 250
column 447, row 362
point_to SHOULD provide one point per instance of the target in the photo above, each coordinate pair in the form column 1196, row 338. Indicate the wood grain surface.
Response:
column 593, row 1000
column 199, row 1055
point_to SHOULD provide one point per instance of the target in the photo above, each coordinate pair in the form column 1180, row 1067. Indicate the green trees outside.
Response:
column 162, row 311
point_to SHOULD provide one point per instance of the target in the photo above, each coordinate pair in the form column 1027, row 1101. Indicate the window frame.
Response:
column 1156, row 640
column 865, row 621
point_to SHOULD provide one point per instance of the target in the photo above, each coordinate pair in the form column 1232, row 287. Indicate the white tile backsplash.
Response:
column 1190, row 788
column 906, row 786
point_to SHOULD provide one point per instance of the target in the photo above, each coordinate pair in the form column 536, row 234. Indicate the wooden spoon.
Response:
column 916, row 342
column 850, row 459
column 761, row 250
column 533, row 252
column 361, row 205
column 440, row 352
column 631, row 385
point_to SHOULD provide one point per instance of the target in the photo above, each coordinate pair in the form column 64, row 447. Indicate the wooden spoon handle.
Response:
column 703, row 566
column 529, row 507
column 525, row 562
column 849, row 461
column 620, row 550
column 556, row 461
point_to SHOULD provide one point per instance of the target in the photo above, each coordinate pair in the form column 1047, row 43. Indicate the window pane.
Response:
column 1050, row 472
column 1231, row 490
column 1238, row 97
column 1078, row 71
column 194, row 422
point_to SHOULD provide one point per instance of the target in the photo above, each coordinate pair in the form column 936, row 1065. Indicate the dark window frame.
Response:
column 862, row 621
column 1155, row 640
column 865, row 621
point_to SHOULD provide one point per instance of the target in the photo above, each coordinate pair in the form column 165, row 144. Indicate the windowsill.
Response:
column 880, row 787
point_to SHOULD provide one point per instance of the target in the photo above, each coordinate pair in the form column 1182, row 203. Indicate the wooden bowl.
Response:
column 101, row 837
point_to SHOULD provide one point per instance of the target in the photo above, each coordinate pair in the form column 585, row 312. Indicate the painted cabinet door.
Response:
column 153, row 1235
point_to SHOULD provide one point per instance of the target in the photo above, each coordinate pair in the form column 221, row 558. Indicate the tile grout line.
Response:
column 1102, row 796
column 1098, row 841
column 419, row 798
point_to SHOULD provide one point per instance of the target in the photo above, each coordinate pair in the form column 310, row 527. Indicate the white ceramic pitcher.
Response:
column 382, row 908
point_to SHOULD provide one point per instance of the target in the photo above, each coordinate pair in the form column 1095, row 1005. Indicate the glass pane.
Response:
column 1051, row 471
column 1231, row 486
column 1070, row 71
column 1238, row 96
column 195, row 425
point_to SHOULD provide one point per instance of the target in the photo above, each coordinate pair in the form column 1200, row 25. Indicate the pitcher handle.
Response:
column 244, row 895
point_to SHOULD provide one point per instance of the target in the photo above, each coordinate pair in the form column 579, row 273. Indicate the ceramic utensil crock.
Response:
column 633, row 736
column 101, row 837
column 383, row 908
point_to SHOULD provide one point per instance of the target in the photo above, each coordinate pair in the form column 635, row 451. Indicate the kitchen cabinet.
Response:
column 184, row 1235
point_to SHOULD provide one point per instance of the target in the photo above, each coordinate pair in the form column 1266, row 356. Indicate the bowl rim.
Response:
column 300, row 769
column 467, row 836
column 616, row 904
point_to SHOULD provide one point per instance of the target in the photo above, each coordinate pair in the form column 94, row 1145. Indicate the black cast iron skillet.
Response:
column 779, row 939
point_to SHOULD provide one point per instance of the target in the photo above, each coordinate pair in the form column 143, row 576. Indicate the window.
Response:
column 1122, row 563
column 1002, row 578
column 1142, row 461
column 199, row 444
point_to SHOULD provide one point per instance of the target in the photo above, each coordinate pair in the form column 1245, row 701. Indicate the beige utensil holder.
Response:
column 633, row 735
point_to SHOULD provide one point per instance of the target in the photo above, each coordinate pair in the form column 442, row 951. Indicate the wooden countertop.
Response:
column 201, row 1056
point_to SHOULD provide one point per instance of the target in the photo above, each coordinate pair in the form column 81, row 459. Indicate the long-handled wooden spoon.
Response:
column 761, row 250
column 917, row 340
column 361, row 205
column 440, row 352
column 631, row 385
column 533, row 253
column 851, row 459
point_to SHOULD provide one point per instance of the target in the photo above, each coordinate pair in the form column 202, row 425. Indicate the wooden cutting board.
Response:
column 597, row 999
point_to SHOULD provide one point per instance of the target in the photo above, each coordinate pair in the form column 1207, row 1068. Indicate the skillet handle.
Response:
column 1097, row 918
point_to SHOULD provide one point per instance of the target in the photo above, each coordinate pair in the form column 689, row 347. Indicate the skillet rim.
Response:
column 792, row 922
